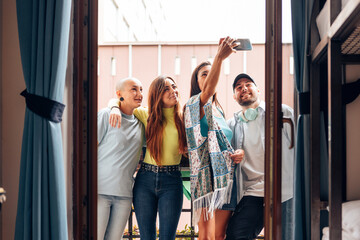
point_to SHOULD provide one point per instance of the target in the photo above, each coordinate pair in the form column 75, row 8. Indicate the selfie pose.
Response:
column 158, row 183
column 248, row 126
column 212, row 158
column 118, row 155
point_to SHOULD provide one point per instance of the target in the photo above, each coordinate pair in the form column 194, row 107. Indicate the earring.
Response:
column 121, row 99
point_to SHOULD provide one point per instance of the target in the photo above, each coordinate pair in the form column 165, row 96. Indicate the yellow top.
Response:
column 170, row 146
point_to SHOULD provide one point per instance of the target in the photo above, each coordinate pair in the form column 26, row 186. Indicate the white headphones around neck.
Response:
column 250, row 114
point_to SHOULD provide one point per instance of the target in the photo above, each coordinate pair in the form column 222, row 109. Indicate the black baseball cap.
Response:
column 240, row 76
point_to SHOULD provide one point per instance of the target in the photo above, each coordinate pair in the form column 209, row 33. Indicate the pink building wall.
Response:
column 144, row 64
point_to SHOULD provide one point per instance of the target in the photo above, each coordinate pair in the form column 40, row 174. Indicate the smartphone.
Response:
column 244, row 44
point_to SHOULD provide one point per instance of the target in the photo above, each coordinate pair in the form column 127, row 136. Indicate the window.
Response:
column 113, row 66
column 193, row 63
column 291, row 65
column 177, row 65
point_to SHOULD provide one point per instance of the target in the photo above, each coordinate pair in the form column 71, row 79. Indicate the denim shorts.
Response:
column 233, row 201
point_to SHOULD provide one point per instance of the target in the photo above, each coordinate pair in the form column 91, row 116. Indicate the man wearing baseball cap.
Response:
column 248, row 126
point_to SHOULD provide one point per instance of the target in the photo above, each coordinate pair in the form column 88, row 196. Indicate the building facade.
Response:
column 130, row 20
column 146, row 61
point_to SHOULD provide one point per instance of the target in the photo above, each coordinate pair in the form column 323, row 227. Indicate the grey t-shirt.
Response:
column 118, row 153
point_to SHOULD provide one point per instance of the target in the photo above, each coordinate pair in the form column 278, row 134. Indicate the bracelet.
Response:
column 114, row 107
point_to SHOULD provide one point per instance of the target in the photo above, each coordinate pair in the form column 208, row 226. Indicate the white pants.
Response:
column 113, row 213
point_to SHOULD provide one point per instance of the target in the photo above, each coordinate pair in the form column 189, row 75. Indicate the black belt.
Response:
column 157, row 169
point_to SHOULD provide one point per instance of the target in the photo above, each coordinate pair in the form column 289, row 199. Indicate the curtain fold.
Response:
column 301, row 13
column 43, row 35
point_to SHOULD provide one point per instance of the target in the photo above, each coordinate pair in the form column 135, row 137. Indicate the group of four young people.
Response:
column 200, row 131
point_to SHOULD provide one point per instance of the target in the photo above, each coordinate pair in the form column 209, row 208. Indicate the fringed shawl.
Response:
column 211, row 168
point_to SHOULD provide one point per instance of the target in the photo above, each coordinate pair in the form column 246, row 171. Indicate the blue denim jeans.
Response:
column 158, row 192
column 113, row 213
column 248, row 219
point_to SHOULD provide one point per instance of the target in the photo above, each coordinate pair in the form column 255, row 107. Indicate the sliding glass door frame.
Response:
column 85, row 117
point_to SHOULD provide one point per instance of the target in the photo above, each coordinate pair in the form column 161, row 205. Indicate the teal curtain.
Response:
column 301, row 13
column 43, row 35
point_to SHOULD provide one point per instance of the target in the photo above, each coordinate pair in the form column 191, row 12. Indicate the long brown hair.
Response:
column 156, row 121
column 195, row 89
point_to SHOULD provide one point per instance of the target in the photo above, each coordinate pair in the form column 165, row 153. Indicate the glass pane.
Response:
column 143, row 39
column 288, row 154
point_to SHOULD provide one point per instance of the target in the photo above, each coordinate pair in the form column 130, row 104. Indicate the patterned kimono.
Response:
column 211, row 168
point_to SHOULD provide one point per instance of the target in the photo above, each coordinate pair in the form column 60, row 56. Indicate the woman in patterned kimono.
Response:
column 211, row 156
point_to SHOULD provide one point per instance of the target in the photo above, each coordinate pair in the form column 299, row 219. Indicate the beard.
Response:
column 247, row 102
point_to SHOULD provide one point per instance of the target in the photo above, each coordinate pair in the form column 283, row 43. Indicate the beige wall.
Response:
column 12, row 115
column 353, row 139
